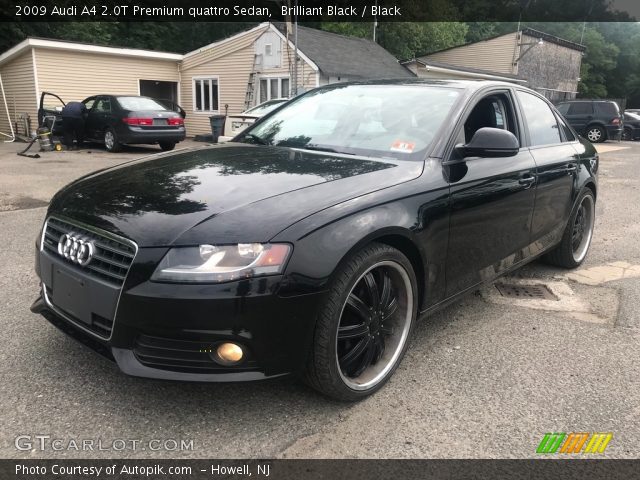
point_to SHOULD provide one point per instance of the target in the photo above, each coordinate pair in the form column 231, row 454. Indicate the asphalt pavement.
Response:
column 483, row 378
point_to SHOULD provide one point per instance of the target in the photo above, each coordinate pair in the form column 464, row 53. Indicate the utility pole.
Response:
column 375, row 22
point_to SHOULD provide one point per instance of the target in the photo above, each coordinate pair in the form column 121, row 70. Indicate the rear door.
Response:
column 580, row 115
column 492, row 199
column 551, row 144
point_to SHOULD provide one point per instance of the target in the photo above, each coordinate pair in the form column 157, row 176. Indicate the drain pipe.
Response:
column 6, row 108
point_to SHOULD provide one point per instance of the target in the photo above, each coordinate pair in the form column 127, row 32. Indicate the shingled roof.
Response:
column 350, row 57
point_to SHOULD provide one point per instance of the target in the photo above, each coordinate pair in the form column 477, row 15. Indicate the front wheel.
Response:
column 596, row 134
column 627, row 134
column 363, row 328
column 111, row 142
column 573, row 247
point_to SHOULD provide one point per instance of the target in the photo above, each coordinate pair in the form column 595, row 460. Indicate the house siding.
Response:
column 551, row 69
column 231, row 63
column 87, row 74
column 496, row 54
column 20, row 89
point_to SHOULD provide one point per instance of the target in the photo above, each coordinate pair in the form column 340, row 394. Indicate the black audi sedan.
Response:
column 312, row 243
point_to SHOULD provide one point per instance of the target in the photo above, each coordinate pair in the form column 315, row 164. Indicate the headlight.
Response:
column 210, row 263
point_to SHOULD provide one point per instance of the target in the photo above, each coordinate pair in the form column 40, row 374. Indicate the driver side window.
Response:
column 493, row 111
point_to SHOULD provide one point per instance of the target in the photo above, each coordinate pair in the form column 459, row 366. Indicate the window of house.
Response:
column 268, row 49
column 205, row 95
column 274, row 87
column 543, row 126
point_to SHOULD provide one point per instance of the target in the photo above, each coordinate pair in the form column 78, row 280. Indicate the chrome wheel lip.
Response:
column 109, row 140
column 402, row 334
column 589, row 211
column 594, row 134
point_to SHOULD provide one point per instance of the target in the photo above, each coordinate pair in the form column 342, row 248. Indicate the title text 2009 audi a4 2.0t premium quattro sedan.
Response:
column 312, row 242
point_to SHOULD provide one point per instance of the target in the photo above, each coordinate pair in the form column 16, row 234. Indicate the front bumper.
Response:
column 169, row 331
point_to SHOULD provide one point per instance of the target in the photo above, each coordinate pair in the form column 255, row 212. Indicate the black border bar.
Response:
column 319, row 10
column 538, row 469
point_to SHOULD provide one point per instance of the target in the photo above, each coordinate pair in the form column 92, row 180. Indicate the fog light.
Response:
column 229, row 353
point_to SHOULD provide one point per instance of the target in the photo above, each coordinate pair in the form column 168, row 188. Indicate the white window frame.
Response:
column 216, row 78
column 268, row 49
column 269, row 78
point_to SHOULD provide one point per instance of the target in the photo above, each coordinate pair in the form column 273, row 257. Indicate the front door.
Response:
column 492, row 200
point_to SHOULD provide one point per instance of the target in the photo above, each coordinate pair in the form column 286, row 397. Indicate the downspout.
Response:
column 6, row 108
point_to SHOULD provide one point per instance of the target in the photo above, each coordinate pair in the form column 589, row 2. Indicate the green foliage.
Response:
column 405, row 39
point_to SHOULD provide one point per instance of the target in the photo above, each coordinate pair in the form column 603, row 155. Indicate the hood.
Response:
column 223, row 194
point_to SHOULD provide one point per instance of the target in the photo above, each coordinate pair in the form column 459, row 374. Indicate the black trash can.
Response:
column 217, row 126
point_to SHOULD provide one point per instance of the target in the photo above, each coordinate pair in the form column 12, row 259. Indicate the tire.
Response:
column 596, row 134
column 627, row 134
column 167, row 146
column 340, row 365
column 570, row 253
column 111, row 142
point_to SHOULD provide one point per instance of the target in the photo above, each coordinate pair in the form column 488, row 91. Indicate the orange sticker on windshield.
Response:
column 404, row 147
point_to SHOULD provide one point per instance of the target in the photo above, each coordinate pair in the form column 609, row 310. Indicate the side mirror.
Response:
column 490, row 142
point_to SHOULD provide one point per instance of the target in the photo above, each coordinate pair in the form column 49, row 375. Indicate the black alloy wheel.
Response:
column 362, row 332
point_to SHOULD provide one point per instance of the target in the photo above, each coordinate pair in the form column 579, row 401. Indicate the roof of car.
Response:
column 472, row 84
column 585, row 100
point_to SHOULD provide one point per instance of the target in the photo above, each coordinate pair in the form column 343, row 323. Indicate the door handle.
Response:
column 571, row 168
column 527, row 181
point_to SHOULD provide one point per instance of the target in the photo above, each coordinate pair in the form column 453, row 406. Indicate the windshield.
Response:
column 398, row 121
column 265, row 107
column 140, row 103
column 632, row 116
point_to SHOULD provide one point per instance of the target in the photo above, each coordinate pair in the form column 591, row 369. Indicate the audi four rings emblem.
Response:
column 75, row 249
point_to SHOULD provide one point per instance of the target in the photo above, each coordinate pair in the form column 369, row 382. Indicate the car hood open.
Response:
column 223, row 194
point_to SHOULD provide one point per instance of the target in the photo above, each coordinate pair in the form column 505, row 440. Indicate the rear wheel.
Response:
column 362, row 330
column 596, row 134
column 111, row 142
column 573, row 248
column 627, row 134
column 167, row 146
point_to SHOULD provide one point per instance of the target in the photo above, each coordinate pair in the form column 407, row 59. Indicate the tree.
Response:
column 406, row 39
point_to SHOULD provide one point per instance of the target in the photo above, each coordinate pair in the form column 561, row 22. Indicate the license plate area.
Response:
column 70, row 294
column 159, row 121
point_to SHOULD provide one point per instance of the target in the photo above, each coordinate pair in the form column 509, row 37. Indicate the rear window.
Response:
column 580, row 108
column 563, row 108
column 608, row 108
column 140, row 103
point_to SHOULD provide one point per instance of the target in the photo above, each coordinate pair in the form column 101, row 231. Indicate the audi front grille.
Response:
column 111, row 256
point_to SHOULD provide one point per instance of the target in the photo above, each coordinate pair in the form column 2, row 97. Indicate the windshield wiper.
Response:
column 323, row 149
